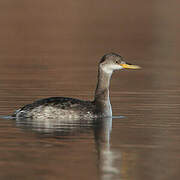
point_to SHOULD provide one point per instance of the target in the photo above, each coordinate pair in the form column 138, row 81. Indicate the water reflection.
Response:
column 106, row 157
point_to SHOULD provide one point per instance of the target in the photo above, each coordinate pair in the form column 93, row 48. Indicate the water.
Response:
column 52, row 49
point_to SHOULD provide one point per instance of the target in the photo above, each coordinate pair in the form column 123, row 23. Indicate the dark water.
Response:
column 51, row 48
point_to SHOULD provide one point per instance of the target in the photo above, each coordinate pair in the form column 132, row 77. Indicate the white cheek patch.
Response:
column 107, row 69
column 110, row 68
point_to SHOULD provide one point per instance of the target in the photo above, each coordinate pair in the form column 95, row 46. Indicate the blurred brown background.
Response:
column 87, row 29
column 52, row 48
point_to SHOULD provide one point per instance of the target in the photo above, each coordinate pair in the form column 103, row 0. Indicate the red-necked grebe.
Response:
column 64, row 107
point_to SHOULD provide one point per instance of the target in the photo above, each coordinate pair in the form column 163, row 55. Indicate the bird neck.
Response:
column 102, row 89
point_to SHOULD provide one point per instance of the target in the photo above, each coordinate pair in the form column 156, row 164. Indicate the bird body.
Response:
column 68, row 108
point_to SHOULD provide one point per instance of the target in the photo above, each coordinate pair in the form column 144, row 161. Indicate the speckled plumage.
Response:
column 56, row 107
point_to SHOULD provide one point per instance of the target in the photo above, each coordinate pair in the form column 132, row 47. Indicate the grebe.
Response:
column 65, row 108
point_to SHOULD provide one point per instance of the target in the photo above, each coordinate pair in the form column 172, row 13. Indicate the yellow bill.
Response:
column 130, row 66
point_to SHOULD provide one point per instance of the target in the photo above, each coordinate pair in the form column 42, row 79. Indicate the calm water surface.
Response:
column 52, row 49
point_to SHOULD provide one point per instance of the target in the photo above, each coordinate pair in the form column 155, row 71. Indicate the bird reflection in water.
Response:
column 107, row 157
column 102, row 127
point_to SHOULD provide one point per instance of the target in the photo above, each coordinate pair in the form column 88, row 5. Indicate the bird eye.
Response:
column 117, row 62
